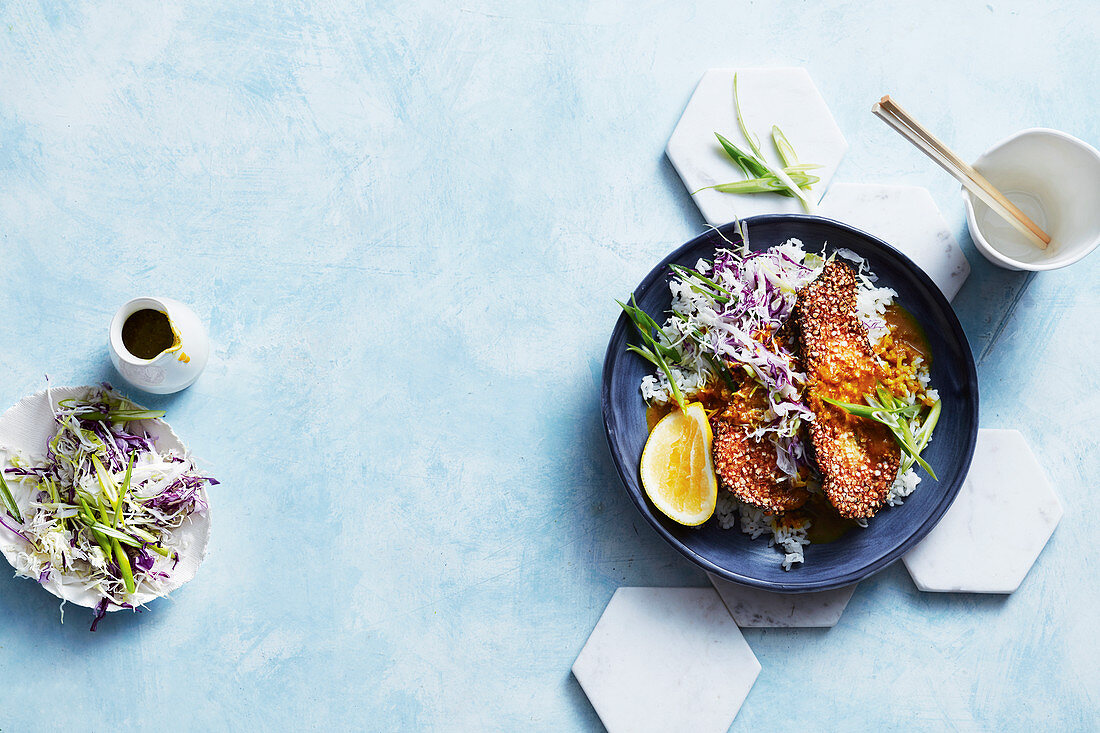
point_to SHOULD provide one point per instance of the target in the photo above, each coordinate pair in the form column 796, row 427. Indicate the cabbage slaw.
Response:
column 728, row 313
column 107, row 501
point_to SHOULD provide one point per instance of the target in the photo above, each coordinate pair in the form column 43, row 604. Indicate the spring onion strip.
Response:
column 123, row 490
column 106, row 483
column 9, row 500
column 783, row 147
column 123, row 565
column 121, row 415
column 924, row 435
column 749, row 165
column 686, row 272
column 807, row 205
column 762, row 185
column 754, row 143
column 760, row 179
column 656, row 353
column 884, row 408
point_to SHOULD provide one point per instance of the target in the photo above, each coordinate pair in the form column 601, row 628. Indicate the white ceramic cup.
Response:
column 1052, row 177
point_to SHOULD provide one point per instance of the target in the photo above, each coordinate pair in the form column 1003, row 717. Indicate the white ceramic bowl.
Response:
column 1052, row 177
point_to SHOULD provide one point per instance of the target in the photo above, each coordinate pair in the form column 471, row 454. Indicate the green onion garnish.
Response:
column 807, row 205
column 761, row 177
column 106, row 483
column 783, row 147
column 653, row 351
column 124, row 489
column 685, row 272
column 122, row 415
column 887, row 410
column 108, row 531
column 748, row 164
column 124, row 565
column 9, row 500
column 763, row 185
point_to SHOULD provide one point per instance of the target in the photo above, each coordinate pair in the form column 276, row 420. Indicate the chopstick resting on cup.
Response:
column 972, row 180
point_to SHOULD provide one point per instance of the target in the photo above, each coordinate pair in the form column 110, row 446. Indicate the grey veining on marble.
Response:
column 784, row 97
column 907, row 218
column 756, row 608
column 665, row 659
column 999, row 523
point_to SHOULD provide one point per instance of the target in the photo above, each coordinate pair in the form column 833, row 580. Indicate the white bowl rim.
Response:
column 971, row 221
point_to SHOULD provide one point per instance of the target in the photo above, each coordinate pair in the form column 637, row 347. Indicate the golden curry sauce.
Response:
column 904, row 328
column 902, row 349
column 713, row 397
column 826, row 524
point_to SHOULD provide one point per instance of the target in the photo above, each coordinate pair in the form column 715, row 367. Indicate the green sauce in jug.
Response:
column 147, row 333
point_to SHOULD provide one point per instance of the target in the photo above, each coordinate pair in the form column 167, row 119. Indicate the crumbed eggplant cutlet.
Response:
column 858, row 458
column 746, row 466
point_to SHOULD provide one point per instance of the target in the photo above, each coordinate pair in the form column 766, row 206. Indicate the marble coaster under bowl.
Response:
column 1000, row 521
column 755, row 608
column 907, row 218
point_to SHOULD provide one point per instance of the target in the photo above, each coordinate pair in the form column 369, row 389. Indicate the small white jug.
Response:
column 160, row 370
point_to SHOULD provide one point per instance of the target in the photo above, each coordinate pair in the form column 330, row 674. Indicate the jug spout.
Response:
column 158, row 344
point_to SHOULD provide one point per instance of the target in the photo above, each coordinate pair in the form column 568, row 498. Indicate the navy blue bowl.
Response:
column 860, row 552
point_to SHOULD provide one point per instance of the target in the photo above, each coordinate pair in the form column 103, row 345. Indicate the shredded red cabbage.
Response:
column 730, row 312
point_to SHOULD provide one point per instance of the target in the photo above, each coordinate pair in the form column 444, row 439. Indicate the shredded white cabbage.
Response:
column 729, row 311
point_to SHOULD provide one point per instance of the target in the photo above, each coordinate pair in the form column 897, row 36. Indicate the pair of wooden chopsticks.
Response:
column 971, row 179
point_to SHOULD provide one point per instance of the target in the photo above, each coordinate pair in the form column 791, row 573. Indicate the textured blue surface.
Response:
column 404, row 225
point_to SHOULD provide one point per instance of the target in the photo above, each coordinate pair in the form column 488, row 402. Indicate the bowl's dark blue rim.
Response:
column 660, row 271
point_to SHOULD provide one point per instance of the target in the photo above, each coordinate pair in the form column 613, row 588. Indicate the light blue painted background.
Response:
column 404, row 225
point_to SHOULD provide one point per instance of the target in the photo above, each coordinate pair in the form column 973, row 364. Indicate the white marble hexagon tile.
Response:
column 785, row 97
column 652, row 661
column 907, row 218
column 755, row 608
column 1002, row 518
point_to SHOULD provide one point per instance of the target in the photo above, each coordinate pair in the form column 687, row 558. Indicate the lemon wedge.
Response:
column 676, row 468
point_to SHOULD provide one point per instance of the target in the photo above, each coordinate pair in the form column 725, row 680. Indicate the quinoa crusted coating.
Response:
column 857, row 457
column 747, row 467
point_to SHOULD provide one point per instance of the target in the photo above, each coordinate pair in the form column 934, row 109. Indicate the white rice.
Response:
column 904, row 485
column 755, row 522
column 656, row 389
